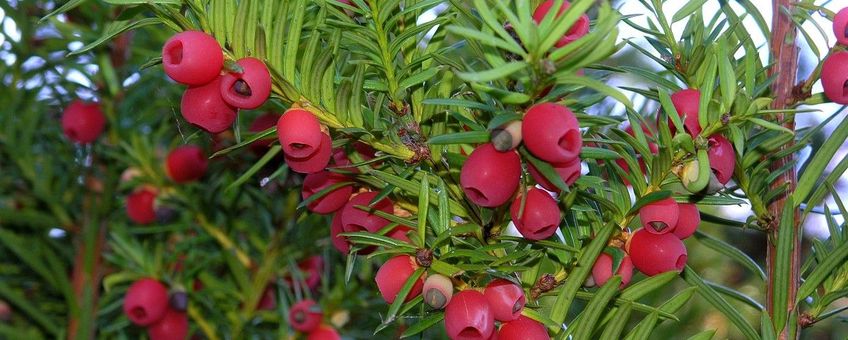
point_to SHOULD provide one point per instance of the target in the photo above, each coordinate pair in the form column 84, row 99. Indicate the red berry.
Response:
column 840, row 27
column 660, row 217
column 540, row 218
column 203, row 106
column 299, row 133
column 305, row 316
column 568, row 172
column 268, row 301
column 141, row 206
column 722, row 158
column 523, row 328
column 400, row 233
column 186, row 163
column 468, row 316
column 262, row 123
column 834, row 77
column 315, row 162
column 323, row 332
column 173, row 326
column 576, row 31
column 192, row 58
column 653, row 254
column 146, row 301
column 310, row 269
column 552, row 133
column 393, row 274
column 355, row 219
column 489, row 178
column 438, row 290
column 331, row 201
column 505, row 298
column 688, row 221
column 83, row 122
column 687, row 103
column 249, row 89
column 602, row 270
column 341, row 243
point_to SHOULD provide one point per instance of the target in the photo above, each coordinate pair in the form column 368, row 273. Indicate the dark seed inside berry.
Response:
column 241, row 87
column 470, row 333
column 138, row 313
column 658, row 226
column 299, row 317
column 435, row 298
column 519, row 304
column 501, row 139
column 179, row 301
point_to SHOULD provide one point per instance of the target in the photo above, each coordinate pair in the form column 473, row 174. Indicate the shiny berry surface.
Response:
column 305, row 316
column 299, row 133
column 489, row 178
column 393, row 274
column 505, row 298
column 469, row 317
column 192, row 58
column 660, row 217
column 834, row 77
column 552, row 133
column 315, row 162
column 523, row 328
column 203, row 106
column 576, row 31
column 602, row 269
column 334, row 200
column 654, row 254
column 540, row 217
column 173, row 326
column 722, row 158
column 141, row 206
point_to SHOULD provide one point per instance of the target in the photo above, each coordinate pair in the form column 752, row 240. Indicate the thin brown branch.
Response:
column 784, row 52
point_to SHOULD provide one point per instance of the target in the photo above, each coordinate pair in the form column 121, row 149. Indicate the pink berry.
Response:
column 83, row 122
column 834, row 77
column 186, row 163
column 268, row 301
column 393, row 274
column 400, row 233
column 468, row 316
column 541, row 215
column 576, row 31
column 722, row 158
column 146, row 301
column 355, row 219
column 552, row 133
column 505, row 298
column 203, row 106
column 489, row 178
column 660, row 217
column 249, row 89
column 299, row 133
column 315, row 162
column 687, row 103
column 602, row 270
column 192, row 58
column 141, row 206
column 305, row 316
column 568, row 172
column 654, row 254
column 323, row 332
column 523, row 328
column 331, row 201
column 840, row 27
column 339, row 242
column 173, row 326
column 688, row 222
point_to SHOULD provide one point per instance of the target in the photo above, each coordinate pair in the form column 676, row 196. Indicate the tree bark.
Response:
column 784, row 52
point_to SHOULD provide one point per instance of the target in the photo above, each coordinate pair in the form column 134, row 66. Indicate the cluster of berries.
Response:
column 470, row 313
column 834, row 73
column 148, row 304
column 212, row 100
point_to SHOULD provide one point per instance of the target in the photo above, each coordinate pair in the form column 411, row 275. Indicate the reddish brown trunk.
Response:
column 785, row 58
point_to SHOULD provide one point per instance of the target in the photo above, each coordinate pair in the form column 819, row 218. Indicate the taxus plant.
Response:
column 469, row 166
